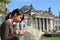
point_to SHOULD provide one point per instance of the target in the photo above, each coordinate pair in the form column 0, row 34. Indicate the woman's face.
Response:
column 18, row 18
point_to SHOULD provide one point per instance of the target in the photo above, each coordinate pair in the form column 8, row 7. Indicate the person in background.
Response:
column 8, row 31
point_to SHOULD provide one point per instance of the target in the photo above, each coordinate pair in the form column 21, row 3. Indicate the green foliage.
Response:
column 3, row 11
column 5, row 1
column 51, row 35
column 55, row 35
column 47, row 35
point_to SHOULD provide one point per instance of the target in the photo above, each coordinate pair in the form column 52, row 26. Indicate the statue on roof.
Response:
column 49, row 9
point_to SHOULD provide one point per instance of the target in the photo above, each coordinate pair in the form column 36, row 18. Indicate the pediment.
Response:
column 44, row 14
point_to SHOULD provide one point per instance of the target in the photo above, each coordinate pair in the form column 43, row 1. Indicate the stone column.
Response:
column 22, row 25
column 26, row 22
column 47, row 24
column 43, row 25
column 40, row 24
column 36, row 24
column 17, row 26
column 51, row 25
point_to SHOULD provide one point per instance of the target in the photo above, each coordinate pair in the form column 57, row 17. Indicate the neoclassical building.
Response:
column 42, row 20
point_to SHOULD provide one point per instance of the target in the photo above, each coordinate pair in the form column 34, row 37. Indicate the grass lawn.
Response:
column 50, row 38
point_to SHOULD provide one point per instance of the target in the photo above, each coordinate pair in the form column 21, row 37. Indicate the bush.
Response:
column 51, row 35
column 47, row 35
column 55, row 35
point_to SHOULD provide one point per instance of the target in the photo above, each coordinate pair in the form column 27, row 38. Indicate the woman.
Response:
column 8, row 31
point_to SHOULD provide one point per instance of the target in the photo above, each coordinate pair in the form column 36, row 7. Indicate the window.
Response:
column 58, row 27
column 59, row 22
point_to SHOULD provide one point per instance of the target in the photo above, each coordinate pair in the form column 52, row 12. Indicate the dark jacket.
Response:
column 8, row 32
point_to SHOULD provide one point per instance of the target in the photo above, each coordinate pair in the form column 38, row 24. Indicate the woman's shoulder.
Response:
column 6, row 22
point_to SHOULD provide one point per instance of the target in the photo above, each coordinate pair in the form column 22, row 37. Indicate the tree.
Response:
column 3, row 6
column 5, row 1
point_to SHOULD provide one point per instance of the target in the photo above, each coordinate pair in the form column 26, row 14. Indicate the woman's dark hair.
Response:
column 17, row 11
column 8, row 16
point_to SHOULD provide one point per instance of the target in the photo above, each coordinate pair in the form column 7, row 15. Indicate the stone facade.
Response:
column 41, row 20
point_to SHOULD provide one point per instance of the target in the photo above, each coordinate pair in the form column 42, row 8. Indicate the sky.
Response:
column 37, row 4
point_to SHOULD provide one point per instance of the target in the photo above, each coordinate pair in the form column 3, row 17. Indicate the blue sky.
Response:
column 37, row 4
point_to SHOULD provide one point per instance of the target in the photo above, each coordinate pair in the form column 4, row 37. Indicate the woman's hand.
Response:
column 20, row 33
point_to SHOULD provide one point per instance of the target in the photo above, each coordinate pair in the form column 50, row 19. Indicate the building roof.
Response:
column 27, row 8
